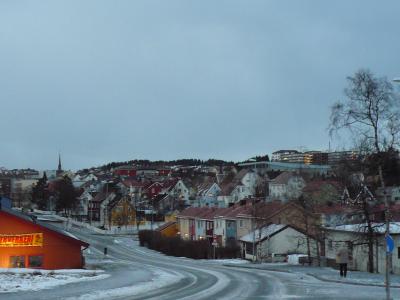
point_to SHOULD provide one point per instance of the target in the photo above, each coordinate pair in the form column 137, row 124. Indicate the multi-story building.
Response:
column 277, row 155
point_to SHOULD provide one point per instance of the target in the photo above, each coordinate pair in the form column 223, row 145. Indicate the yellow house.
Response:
column 122, row 213
column 169, row 229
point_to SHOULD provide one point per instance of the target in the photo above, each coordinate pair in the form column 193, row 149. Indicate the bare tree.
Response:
column 372, row 113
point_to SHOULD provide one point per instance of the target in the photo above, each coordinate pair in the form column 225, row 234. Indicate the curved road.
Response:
column 200, row 279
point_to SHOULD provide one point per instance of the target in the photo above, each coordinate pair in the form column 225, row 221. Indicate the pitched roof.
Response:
column 165, row 225
column 263, row 233
column 33, row 220
column 100, row 197
column 283, row 178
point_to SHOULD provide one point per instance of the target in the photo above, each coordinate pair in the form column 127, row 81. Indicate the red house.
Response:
column 125, row 171
column 28, row 243
column 153, row 190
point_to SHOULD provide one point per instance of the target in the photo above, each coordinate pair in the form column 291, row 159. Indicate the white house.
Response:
column 353, row 237
column 178, row 191
column 286, row 186
column 274, row 242
column 207, row 194
column 242, row 186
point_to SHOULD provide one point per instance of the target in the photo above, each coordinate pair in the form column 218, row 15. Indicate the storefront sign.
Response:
column 21, row 240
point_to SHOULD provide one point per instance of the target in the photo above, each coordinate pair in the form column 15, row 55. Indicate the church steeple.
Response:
column 59, row 169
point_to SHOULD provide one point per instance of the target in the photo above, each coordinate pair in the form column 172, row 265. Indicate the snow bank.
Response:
column 227, row 261
column 15, row 280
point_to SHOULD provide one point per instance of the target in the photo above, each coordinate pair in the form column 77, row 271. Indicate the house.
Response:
column 21, row 190
column 274, row 242
column 169, row 229
column 353, row 236
column 187, row 222
column 207, row 194
column 79, row 180
column 128, row 171
column 80, row 211
column 133, row 188
column 153, row 190
column 163, row 203
column 121, row 212
column 286, row 186
column 26, row 242
column 177, row 190
column 242, row 186
column 228, row 220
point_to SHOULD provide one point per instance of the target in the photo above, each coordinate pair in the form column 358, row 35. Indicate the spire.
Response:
column 59, row 169
column 59, row 162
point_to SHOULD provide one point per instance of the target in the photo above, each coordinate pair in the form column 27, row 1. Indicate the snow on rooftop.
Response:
column 362, row 227
column 263, row 233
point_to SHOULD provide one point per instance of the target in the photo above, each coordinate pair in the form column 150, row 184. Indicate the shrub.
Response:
column 175, row 246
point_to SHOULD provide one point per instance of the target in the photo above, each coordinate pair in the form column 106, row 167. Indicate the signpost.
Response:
column 389, row 244
column 214, row 243
column 389, row 250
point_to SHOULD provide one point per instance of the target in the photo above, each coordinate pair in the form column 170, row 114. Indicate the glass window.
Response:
column 17, row 261
column 36, row 261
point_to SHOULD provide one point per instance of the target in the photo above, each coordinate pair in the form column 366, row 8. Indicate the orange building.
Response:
column 28, row 243
column 169, row 229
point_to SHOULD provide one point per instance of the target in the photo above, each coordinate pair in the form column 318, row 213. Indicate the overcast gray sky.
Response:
column 105, row 81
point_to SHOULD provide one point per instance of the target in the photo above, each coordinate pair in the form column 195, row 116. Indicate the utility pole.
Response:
column 152, row 212
column 254, row 230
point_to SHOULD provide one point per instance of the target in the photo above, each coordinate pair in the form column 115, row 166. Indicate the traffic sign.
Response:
column 389, row 244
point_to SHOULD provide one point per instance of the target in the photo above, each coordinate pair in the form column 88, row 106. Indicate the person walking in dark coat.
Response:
column 342, row 258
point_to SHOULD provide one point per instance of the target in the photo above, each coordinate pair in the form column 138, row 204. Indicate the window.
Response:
column 17, row 261
column 35, row 261
column 398, row 252
column 241, row 223
column 330, row 244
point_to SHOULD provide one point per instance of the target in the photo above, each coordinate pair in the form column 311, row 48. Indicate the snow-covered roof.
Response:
column 263, row 233
column 394, row 227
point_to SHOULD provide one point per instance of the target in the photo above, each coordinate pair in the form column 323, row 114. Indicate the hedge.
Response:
column 175, row 246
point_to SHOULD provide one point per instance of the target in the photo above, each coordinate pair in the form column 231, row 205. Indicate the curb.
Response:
column 312, row 275
column 257, row 268
column 351, row 283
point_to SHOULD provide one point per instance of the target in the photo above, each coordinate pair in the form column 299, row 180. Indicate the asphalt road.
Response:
column 198, row 279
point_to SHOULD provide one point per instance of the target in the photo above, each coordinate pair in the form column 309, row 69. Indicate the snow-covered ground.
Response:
column 160, row 279
column 233, row 261
column 329, row 274
column 15, row 280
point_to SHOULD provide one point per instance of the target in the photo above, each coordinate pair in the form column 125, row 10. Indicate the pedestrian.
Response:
column 342, row 258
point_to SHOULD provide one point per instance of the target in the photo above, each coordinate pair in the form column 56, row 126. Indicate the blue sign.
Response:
column 389, row 244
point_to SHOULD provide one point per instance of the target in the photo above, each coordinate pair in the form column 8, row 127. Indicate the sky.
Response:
column 101, row 81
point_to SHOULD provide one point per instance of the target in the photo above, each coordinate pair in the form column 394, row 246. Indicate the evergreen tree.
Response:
column 66, row 195
column 40, row 193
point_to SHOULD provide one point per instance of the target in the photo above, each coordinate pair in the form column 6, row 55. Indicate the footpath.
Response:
column 325, row 274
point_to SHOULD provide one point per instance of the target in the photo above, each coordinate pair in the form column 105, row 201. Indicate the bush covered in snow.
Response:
column 175, row 246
